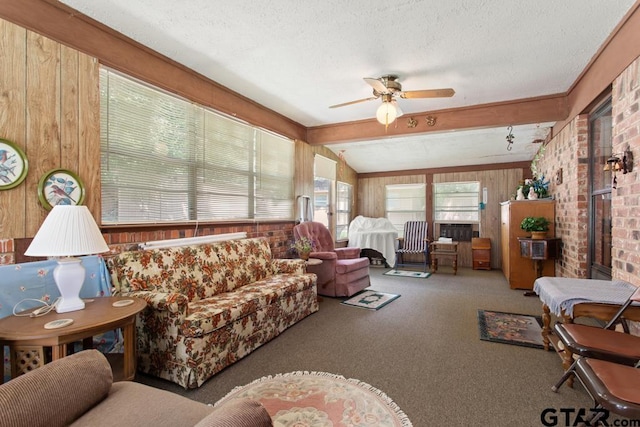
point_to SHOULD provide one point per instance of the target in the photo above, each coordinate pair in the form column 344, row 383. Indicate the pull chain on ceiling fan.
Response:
column 388, row 88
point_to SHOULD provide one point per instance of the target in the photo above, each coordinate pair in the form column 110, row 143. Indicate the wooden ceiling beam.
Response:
column 551, row 108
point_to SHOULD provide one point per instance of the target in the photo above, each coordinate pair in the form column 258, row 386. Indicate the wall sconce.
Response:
column 620, row 161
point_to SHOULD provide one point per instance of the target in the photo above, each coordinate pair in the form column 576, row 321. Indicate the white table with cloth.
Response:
column 569, row 298
column 374, row 233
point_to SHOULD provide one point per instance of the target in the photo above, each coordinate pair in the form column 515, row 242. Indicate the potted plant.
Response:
column 303, row 246
column 536, row 225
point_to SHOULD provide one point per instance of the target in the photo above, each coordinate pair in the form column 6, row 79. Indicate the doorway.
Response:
column 602, row 183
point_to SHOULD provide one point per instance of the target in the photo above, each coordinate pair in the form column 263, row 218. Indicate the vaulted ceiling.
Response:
column 298, row 58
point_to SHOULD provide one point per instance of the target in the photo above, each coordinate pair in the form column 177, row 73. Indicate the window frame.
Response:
column 348, row 203
column 437, row 219
column 415, row 214
column 261, row 186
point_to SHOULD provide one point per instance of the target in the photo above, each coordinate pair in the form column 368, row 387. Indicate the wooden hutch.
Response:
column 520, row 271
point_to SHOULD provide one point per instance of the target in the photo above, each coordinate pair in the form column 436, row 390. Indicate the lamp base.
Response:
column 69, row 277
column 64, row 305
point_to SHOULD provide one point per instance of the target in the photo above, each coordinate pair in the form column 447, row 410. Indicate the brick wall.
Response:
column 567, row 155
column 626, row 198
column 568, row 151
column 280, row 237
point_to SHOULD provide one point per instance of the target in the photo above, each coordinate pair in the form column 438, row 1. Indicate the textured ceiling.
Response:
column 298, row 58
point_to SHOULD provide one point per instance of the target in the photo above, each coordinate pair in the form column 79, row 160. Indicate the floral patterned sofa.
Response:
column 210, row 305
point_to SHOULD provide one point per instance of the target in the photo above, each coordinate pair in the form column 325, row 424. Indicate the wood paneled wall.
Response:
column 50, row 108
column 371, row 192
column 304, row 171
column 501, row 184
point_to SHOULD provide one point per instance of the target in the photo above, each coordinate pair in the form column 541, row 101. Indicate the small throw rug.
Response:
column 405, row 273
column 371, row 300
column 320, row 399
column 510, row 328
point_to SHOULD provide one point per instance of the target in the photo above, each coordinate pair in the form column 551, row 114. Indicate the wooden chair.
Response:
column 599, row 343
column 414, row 241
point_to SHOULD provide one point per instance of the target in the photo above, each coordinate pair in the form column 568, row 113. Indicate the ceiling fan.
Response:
column 388, row 87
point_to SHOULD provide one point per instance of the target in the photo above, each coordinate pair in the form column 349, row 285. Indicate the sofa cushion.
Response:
column 244, row 261
column 344, row 266
column 210, row 314
column 56, row 393
column 163, row 270
column 238, row 413
column 134, row 404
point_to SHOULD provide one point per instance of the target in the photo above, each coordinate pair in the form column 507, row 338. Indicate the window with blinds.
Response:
column 343, row 209
column 456, row 202
column 405, row 202
column 166, row 159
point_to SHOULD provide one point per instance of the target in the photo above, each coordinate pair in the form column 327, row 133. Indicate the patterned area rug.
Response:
column 320, row 399
column 371, row 300
column 510, row 328
column 405, row 273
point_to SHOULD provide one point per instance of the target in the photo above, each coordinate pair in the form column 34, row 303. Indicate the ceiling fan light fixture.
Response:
column 399, row 111
column 386, row 113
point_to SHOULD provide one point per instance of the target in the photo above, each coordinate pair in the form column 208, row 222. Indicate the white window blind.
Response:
column 166, row 159
column 343, row 209
column 405, row 202
column 456, row 201
column 324, row 168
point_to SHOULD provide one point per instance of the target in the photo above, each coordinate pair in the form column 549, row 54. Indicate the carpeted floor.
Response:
column 422, row 350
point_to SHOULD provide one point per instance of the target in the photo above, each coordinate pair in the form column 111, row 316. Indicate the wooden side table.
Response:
column 312, row 262
column 99, row 316
column 443, row 250
column 539, row 251
column 481, row 253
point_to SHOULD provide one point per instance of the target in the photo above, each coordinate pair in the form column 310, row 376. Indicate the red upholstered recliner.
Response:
column 342, row 272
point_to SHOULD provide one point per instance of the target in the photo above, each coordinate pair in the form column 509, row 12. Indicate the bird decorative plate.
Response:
column 60, row 187
column 13, row 165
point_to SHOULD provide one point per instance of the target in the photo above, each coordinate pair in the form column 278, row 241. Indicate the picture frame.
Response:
column 13, row 165
column 60, row 187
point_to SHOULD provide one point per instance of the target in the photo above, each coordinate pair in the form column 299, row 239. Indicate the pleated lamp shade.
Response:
column 68, row 231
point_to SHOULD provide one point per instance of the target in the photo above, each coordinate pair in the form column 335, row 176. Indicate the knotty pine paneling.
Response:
column 43, row 120
column 88, row 130
column 12, row 119
column 50, row 108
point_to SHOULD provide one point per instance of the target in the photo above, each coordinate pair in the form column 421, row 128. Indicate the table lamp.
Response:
column 67, row 232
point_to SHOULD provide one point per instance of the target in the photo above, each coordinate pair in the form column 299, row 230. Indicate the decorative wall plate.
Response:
column 60, row 187
column 13, row 165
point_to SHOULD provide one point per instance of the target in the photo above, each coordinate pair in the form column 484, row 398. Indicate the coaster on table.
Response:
column 122, row 303
column 60, row 323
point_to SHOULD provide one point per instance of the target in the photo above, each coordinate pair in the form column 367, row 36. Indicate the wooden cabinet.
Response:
column 481, row 253
column 519, row 271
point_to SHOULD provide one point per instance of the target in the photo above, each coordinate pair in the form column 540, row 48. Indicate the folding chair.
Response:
column 414, row 241
column 600, row 343
column 612, row 387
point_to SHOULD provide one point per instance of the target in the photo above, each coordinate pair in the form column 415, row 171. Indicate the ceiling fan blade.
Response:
column 354, row 102
column 376, row 84
column 428, row 93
